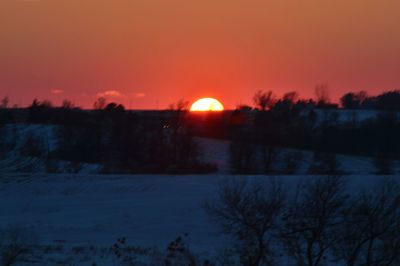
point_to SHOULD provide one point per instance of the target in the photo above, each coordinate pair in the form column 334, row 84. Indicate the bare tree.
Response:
column 291, row 97
column 311, row 221
column 100, row 103
column 183, row 144
column 322, row 94
column 178, row 109
column 67, row 104
column 180, row 105
column 370, row 231
column 264, row 100
column 4, row 102
column 47, row 104
column 249, row 212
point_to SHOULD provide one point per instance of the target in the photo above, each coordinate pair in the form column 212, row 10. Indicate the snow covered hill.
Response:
column 212, row 151
column 17, row 135
column 217, row 152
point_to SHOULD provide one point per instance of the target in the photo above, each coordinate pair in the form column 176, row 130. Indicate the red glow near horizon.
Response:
column 149, row 54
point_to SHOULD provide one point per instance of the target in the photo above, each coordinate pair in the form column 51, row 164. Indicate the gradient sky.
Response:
column 150, row 53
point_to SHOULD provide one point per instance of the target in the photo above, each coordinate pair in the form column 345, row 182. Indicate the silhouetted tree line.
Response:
column 294, row 123
column 108, row 133
column 389, row 100
column 120, row 140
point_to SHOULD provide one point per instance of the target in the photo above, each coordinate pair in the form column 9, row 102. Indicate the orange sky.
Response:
column 149, row 53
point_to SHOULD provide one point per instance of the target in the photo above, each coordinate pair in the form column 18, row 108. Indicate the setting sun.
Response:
column 207, row 104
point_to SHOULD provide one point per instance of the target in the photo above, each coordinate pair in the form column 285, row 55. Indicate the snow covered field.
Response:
column 93, row 211
column 148, row 210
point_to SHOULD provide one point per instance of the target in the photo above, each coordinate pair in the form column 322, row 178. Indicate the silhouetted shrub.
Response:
column 179, row 253
column 16, row 243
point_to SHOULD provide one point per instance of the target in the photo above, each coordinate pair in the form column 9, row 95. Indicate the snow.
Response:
column 70, row 211
column 16, row 136
column 149, row 211
column 217, row 152
column 344, row 116
column 89, row 211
